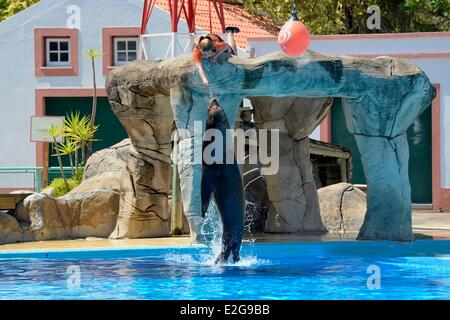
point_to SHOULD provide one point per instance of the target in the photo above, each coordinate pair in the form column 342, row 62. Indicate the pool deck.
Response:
column 426, row 225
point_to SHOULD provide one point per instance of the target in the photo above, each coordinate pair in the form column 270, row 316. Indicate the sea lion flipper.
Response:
column 235, row 251
column 223, row 256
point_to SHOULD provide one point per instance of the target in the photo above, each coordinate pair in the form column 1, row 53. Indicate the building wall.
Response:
column 17, row 78
column 430, row 51
column 110, row 130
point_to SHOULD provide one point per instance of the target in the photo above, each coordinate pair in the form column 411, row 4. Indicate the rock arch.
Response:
column 382, row 96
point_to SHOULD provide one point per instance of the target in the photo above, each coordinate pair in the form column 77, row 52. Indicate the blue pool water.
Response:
column 331, row 270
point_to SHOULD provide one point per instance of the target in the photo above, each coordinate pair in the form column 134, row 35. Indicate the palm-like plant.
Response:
column 92, row 54
column 71, row 124
column 81, row 132
column 68, row 148
column 55, row 132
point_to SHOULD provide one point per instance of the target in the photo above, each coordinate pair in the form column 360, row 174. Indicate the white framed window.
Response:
column 57, row 52
column 125, row 50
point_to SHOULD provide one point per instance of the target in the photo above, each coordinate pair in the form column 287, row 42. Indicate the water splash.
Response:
column 251, row 214
column 207, row 259
column 212, row 233
column 212, row 229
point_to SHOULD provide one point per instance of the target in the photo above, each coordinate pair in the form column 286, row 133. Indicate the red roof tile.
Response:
column 250, row 25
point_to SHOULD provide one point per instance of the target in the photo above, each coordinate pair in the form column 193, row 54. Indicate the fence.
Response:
column 174, row 44
column 167, row 45
column 27, row 178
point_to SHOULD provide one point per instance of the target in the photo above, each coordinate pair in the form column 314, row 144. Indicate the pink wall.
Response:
column 40, row 34
column 108, row 35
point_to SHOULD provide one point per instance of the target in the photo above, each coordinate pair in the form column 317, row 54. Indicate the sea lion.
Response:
column 224, row 181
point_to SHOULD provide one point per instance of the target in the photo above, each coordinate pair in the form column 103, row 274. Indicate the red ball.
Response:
column 294, row 38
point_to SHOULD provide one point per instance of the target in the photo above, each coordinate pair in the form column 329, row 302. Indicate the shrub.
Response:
column 59, row 188
column 78, row 175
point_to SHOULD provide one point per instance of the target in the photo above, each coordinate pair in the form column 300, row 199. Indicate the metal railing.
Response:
column 174, row 44
column 28, row 178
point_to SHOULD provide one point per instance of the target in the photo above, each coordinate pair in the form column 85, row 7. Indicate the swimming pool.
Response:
column 329, row 270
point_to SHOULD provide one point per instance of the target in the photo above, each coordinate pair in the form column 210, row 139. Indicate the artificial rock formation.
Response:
column 90, row 210
column 342, row 207
column 144, row 185
column 11, row 230
column 85, row 214
column 112, row 159
column 295, row 206
column 148, row 120
column 382, row 97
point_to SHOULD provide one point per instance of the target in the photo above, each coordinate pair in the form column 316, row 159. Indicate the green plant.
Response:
column 59, row 188
column 81, row 133
column 349, row 16
column 92, row 55
column 56, row 132
column 68, row 148
column 78, row 176
column 11, row 7
column 76, row 134
column 71, row 123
